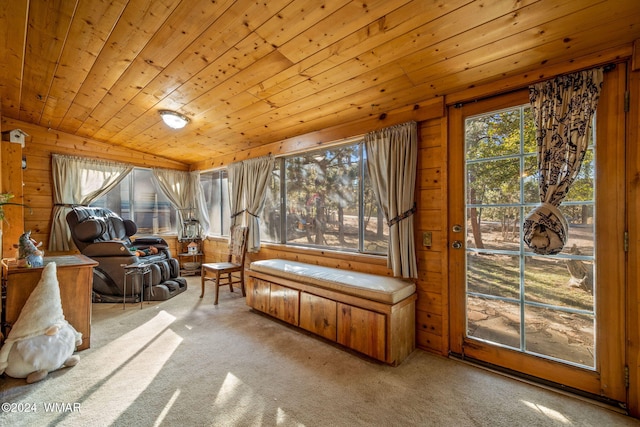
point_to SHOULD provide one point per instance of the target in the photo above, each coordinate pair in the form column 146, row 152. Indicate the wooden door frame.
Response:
column 608, row 378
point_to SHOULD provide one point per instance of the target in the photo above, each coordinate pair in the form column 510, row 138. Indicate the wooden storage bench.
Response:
column 371, row 314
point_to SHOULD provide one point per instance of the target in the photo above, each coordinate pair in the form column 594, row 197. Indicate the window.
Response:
column 138, row 198
column 542, row 305
column 216, row 193
column 328, row 202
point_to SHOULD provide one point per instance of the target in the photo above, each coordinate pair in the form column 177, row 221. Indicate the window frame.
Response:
column 281, row 162
column 134, row 202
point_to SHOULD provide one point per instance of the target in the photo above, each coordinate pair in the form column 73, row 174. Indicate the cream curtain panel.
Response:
column 256, row 176
column 391, row 163
column 563, row 109
column 78, row 181
column 235, row 193
column 248, row 182
column 184, row 190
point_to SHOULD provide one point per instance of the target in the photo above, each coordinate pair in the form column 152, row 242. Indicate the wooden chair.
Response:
column 232, row 271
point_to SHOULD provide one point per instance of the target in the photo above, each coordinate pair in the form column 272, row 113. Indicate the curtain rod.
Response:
column 606, row 68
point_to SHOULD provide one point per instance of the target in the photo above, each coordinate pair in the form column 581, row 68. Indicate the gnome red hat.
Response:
column 41, row 313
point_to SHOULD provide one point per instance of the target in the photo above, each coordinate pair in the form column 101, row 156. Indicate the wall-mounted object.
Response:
column 427, row 238
column 24, row 162
column 15, row 135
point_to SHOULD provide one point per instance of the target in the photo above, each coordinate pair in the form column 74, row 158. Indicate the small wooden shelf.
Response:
column 184, row 256
column 187, row 257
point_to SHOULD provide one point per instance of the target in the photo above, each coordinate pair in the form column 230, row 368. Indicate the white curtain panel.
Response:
column 256, row 176
column 392, row 155
column 184, row 191
column 563, row 109
column 78, row 181
column 236, row 201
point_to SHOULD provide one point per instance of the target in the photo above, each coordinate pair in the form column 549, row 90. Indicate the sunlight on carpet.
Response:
column 139, row 355
column 551, row 413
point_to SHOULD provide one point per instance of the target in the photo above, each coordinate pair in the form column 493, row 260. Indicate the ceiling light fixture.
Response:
column 173, row 119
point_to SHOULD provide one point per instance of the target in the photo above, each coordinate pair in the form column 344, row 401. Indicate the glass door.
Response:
column 548, row 317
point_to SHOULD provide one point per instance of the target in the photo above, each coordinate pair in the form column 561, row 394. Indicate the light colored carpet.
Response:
column 186, row 362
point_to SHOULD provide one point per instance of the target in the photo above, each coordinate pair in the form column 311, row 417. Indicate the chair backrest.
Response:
column 92, row 224
column 238, row 244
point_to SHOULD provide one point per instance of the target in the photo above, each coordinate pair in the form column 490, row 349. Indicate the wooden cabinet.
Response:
column 382, row 331
column 75, row 278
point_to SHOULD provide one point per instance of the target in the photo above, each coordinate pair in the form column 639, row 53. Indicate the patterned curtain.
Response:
column 392, row 155
column 563, row 109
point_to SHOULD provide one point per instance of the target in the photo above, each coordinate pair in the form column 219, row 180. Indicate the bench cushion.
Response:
column 384, row 289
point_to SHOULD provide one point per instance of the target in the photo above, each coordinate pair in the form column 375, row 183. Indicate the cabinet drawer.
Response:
column 258, row 294
column 362, row 330
column 318, row 315
column 284, row 304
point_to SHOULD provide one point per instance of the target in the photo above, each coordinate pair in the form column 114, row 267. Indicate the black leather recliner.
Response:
column 103, row 236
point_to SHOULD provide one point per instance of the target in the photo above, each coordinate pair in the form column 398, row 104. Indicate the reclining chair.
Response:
column 103, row 236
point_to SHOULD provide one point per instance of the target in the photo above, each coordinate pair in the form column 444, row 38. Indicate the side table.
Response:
column 75, row 277
column 139, row 269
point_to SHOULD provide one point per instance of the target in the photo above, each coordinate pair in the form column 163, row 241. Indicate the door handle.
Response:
column 457, row 244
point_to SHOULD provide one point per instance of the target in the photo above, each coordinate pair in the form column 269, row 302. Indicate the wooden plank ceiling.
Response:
column 251, row 72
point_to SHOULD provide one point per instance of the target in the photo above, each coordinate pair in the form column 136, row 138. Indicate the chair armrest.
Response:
column 108, row 248
column 150, row 241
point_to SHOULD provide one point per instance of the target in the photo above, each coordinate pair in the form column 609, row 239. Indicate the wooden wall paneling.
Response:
column 48, row 24
column 90, row 26
column 13, row 223
column 633, row 228
column 545, row 71
column 376, row 22
column 126, row 40
column 215, row 249
column 425, row 90
column 322, row 72
column 13, row 27
column 429, row 322
column 219, row 37
column 431, row 316
column 50, row 141
column 428, row 341
column 482, row 45
column 196, row 18
column 37, row 178
column 466, row 71
column 256, row 72
column 374, row 86
column 428, row 109
column 224, row 36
